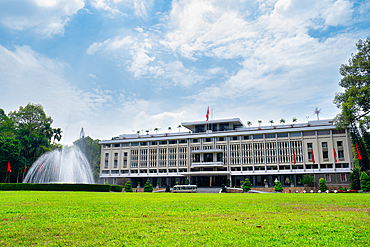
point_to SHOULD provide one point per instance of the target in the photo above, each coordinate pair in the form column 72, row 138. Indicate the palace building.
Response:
column 211, row 152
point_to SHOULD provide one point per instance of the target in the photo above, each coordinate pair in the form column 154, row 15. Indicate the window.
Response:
column 183, row 141
column 195, row 140
column 246, row 137
column 325, row 154
column 107, row 145
column 172, row 142
column 219, row 157
column 234, row 138
column 208, row 140
column 309, row 145
column 308, row 133
column 199, row 128
column 208, row 157
column 340, row 154
column 268, row 136
column 336, row 132
column 282, row 135
column 115, row 155
column 221, row 139
column 106, row 164
column 153, row 143
column 134, row 144
column 339, row 144
column 125, row 154
column 125, row 144
column 324, row 144
column 107, row 155
column 224, row 126
column 115, row 163
column 162, row 142
column 143, row 143
column 258, row 137
column 323, row 132
column 327, row 178
column 295, row 134
column 116, row 145
column 343, row 177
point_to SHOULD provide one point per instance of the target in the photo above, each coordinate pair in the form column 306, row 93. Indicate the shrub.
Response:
column 128, row 187
column 148, row 187
column 322, row 184
column 223, row 188
column 365, row 183
column 228, row 182
column 278, row 186
column 309, row 180
column 116, row 188
column 246, row 185
column 167, row 188
column 355, row 181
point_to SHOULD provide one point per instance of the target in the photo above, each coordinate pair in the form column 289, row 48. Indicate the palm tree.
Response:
column 249, row 123
column 271, row 121
column 138, row 132
column 282, row 121
column 147, row 132
column 57, row 134
column 179, row 127
column 259, row 122
column 169, row 129
column 156, row 130
column 294, row 120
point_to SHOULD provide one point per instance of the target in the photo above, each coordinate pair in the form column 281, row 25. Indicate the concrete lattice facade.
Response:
column 214, row 151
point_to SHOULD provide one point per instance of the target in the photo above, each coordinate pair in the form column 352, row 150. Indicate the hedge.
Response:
column 116, row 188
column 57, row 187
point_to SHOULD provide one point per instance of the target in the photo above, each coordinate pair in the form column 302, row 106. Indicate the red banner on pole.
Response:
column 335, row 155
column 207, row 115
column 295, row 161
column 25, row 167
column 358, row 153
column 313, row 157
column 9, row 168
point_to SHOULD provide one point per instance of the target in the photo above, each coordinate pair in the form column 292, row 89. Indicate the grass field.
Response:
column 159, row 219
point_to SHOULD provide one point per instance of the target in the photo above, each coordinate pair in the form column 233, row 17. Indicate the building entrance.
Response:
column 209, row 181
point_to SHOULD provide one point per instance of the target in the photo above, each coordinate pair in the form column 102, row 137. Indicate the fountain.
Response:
column 68, row 165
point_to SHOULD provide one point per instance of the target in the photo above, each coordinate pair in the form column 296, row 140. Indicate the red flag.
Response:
column 313, row 157
column 335, row 155
column 9, row 168
column 40, row 167
column 25, row 167
column 295, row 161
column 207, row 115
column 358, row 153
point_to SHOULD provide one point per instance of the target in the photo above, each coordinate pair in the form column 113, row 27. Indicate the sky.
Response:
column 120, row 66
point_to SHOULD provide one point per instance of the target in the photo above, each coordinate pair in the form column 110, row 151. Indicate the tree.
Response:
column 148, row 187
column 259, row 123
column 282, row 121
column 249, row 123
column 271, row 121
column 354, row 102
column 309, row 180
column 156, row 130
column 179, row 127
column 278, row 186
column 355, row 180
column 168, row 189
column 294, row 120
column 128, row 187
column 147, row 132
column 169, row 129
column 10, row 151
column 246, row 185
column 365, row 183
column 358, row 140
column 322, row 184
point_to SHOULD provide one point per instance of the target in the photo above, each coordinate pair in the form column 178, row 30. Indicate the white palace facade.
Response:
column 211, row 152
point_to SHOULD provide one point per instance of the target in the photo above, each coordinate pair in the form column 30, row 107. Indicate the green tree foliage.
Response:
column 356, row 138
column 309, row 180
column 365, row 183
column 322, row 184
column 92, row 150
column 355, row 180
column 354, row 102
column 246, row 185
column 278, row 186
column 128, row 187
column 148, row 187
column 25, row 135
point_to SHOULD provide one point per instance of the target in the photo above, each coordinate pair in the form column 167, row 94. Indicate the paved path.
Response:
column 208, row 189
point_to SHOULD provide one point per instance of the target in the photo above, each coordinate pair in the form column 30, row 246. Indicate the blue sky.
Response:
column 118, row 66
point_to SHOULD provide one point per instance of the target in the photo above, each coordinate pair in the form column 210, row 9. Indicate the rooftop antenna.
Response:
column 317, row 112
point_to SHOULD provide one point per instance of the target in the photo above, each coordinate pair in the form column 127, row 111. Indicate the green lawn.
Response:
column 158, row 219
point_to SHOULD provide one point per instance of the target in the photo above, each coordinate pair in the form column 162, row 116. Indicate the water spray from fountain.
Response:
column 68, row 165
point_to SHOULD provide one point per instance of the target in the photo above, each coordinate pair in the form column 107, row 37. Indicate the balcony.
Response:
column 207, row 164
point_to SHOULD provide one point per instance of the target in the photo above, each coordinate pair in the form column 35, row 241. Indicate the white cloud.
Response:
column 119, row 6
column 31, row 77
column 338, row 13
column 41, row 16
